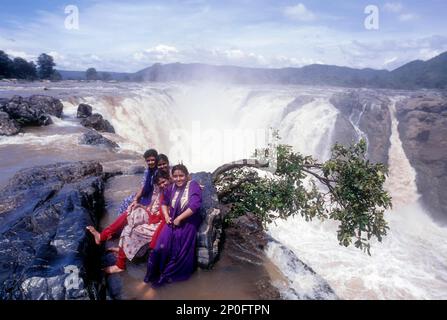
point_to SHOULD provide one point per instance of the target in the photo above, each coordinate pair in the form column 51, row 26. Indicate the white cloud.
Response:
column 390, row 61
column 162, row 49
column 407, row 17
column 20, row 54
column 395, row 7
column 299, row 12
column 160, row 53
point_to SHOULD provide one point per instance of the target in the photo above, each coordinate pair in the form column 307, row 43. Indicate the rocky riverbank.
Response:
column 423, row 130
column 45, row 252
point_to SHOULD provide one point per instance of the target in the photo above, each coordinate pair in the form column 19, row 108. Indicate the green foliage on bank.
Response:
column 346, row 188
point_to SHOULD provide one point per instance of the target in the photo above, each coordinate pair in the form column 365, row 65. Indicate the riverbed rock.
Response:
column 423, row 131
column 369, row 110
column 245, row 240
column 92, row 137
column 45, row 251
column 210, row 232
column 84, row 111
column 25, row 113
column 8, row 126
column 97, row 122
column 47, row 104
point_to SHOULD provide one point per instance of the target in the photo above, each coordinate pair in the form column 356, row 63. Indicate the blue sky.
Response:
column 131, row 35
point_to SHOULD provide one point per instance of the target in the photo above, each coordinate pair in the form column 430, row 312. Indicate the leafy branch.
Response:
column 347, row 188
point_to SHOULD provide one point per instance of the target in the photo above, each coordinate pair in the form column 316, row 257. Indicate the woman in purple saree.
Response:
column 174, row 255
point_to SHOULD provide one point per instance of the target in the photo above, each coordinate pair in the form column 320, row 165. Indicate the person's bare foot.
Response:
column 113, row 269
column 95, row 234
column 150, row 294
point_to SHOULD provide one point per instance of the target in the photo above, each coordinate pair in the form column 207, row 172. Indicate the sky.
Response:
column 128, row 36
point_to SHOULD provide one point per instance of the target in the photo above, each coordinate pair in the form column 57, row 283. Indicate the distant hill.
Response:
column 419, row 74
column 416, row 74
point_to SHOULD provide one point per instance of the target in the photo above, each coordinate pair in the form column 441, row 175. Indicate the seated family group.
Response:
column 164, row 215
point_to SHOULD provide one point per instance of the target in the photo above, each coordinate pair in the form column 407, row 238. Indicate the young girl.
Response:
column 140, row 227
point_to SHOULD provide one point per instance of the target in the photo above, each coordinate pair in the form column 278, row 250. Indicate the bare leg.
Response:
column 95, row 234
column 113, row 249
column 113, row 269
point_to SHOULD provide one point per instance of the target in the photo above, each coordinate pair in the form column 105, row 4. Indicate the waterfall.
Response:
column 356, row 123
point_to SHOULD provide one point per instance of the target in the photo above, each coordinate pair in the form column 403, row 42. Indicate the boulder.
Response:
column 35, row 110
column 97, row 122
column 8, row 126
column 210, row 231
column 46, row 104
column 92, row 137
column 44, row 248
column 423, row 131
column 84, row 111
column 245, row 242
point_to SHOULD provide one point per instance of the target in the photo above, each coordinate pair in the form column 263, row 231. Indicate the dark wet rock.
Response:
column 84, row 111
column 344, row 132
column 295, row 271
column 92, row 137
column 247, row 238
column 33, row 110
column 97, row 122
column 8, row 126
column 44, row 248
column 369, row 111
column 423, row 131
column 245, row 241
column 210, row 231
column 47, row 104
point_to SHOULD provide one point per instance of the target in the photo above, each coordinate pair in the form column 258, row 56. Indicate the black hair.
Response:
column 180, row 167
column 162, row 157
column 161, row 175
column 150, row 153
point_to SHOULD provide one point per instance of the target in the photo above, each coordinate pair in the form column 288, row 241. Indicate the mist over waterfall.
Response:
column 206, row 125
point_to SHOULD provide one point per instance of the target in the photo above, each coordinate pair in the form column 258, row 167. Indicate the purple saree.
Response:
column 174, row 256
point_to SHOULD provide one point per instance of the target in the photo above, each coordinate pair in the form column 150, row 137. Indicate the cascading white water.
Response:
column 356, row 123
